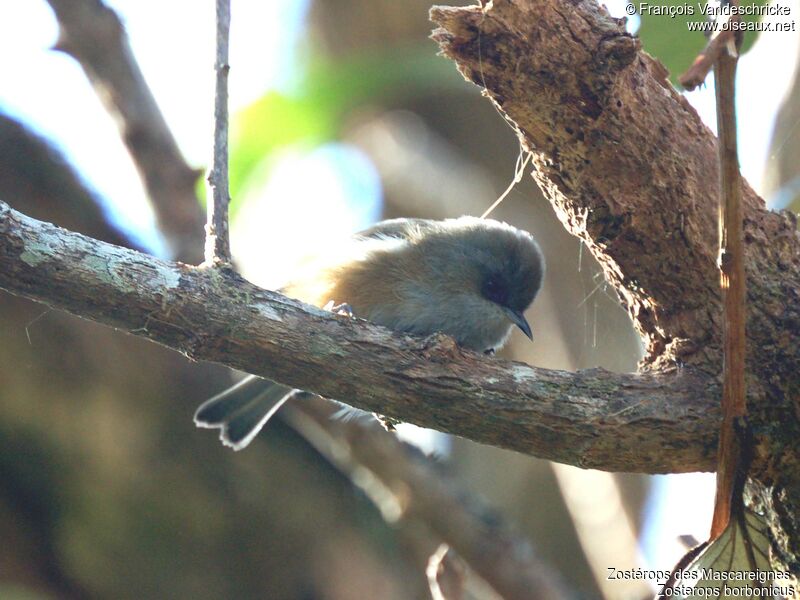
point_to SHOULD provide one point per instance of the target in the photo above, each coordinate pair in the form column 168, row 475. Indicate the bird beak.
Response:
column 518, row 319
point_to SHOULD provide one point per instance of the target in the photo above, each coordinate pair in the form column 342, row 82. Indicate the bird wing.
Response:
column 331, row 276
column 404, row 229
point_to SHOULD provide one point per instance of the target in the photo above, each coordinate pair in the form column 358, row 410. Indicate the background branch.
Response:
column 414, row 490
column 32, row 173
column 92, row 33
column 592, row 418
column 446, row 573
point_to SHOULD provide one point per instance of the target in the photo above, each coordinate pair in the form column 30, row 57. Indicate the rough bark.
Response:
column 630, row 168
column 592, row 418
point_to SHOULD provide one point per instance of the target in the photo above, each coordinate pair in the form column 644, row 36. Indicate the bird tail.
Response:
column 242, row 410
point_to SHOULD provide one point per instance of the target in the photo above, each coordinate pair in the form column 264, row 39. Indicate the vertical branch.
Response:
column 218, row 249
column 732, row 280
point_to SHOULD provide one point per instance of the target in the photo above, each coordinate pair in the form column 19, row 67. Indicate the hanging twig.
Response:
column 218, row 248
column 732, row 281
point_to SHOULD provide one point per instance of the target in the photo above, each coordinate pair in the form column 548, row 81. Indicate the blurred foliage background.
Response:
column 106, row 488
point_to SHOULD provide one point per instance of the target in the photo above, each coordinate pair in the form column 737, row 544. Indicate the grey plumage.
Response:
column 469, row 278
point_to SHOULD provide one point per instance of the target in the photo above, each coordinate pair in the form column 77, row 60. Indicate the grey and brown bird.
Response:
column 469, row 278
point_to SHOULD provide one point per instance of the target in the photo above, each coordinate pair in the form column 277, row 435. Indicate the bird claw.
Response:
column 440, row 346
column 388, row 423
column 344, row 309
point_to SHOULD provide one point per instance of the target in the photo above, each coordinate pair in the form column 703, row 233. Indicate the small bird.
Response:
column 469, row 278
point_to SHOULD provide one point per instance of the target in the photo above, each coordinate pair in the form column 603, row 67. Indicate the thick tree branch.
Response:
column 93, row 34
column 630, row 168
column 592, row 418
column 625, row 161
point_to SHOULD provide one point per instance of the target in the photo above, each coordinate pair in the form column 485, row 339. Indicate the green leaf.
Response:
column 313, row 113
column 735, row 565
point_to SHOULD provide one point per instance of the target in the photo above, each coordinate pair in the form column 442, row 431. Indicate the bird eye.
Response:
column 495, row 291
